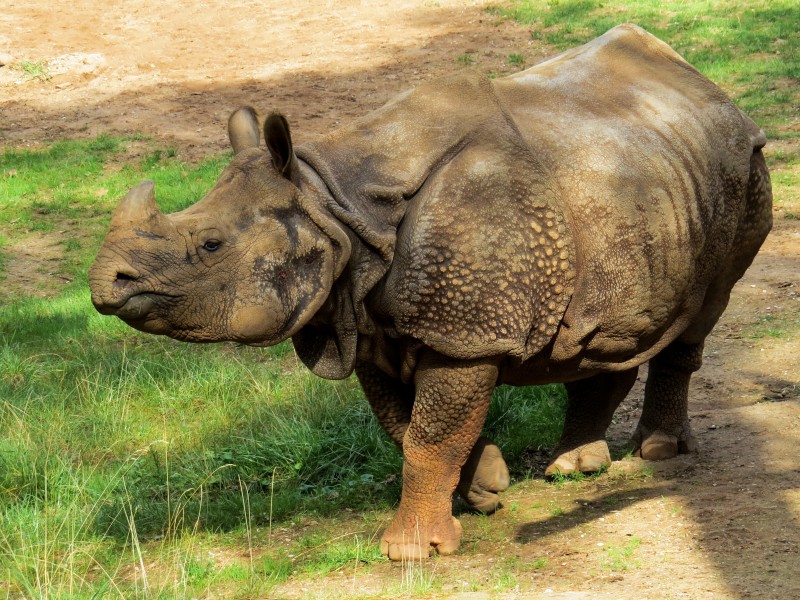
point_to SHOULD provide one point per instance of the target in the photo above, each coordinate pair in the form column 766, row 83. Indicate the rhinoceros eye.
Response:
column 211, row 245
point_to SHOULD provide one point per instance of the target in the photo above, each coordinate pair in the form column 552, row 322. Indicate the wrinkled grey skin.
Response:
column 565, row 224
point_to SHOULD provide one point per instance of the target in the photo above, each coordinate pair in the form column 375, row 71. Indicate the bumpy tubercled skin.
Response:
column 565, row 224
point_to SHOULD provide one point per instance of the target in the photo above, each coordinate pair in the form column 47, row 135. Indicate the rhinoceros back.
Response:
column 579, row 207
column 650, row 161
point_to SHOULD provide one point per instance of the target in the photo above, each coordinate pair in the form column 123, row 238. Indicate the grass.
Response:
column 778, row 326
column 35, row 70
column 516, row 60
column 121, row 454
column 466, row 59
column 96, row 463
column 748, row 47
column 621, row 558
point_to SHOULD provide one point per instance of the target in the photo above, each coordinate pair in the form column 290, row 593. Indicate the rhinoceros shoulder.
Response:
column 484, row 262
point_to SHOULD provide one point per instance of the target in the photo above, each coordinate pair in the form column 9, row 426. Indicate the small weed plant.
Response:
column 466, row 59
column 621, row 558
column 516, row 60
column 36, row 70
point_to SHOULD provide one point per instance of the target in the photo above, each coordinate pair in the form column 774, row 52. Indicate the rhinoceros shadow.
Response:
column 736, row 497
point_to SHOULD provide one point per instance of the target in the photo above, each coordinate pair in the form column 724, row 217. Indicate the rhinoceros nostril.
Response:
column 122, row 279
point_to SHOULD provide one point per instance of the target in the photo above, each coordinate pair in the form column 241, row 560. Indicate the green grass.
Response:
column 750, row 48
column 466, row 59
column 781, row 326
column 35, row 69
column 120, row 450
column 516, row 60
column 621, row 558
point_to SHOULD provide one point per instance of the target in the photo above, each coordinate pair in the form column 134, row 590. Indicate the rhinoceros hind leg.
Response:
column 592, row 402
column 664, row 431
column 483, row 475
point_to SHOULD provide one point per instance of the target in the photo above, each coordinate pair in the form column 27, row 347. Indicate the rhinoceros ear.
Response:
column 279, row 144
column 243, row 129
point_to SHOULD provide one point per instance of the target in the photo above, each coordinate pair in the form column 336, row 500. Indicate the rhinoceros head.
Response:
column 252, row 261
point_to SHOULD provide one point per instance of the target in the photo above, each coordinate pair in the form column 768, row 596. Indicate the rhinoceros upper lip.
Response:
column 130, row 307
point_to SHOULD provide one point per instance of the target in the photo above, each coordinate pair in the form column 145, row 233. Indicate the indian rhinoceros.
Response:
column 564, row 224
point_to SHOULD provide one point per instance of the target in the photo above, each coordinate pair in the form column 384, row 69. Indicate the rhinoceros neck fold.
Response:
column 373, row 167
column 368, row 172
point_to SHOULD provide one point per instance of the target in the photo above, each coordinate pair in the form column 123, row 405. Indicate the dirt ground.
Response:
column 721, row 524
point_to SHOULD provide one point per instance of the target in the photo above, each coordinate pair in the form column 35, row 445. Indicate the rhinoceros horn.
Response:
column 139, row 204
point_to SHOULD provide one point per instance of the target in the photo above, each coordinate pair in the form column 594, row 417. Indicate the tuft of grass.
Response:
column 418, row 578
column 36, row 70
column 773, row 326
column 621, row 558
column 561, row 479
column 505, row 581
column 274, row 567
column 516, row 60
column 504, row 574
column 347, row 551
column 466, row 59
column 539, row 563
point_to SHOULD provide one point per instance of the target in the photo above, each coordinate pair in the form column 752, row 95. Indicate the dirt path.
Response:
column 177, row 71
column 723, row 524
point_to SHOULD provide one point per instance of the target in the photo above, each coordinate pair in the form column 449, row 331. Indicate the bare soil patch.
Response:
column 722, row 524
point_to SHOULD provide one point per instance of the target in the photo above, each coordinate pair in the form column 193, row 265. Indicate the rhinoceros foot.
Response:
column 410, row 537
column 660, row 445
column 587, row 458
column 483, row 475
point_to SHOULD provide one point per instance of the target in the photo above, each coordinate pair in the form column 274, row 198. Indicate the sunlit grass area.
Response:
column 749, row 48
column 116, row 446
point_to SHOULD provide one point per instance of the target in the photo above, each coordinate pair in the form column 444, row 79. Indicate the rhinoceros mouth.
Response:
column 132, row 308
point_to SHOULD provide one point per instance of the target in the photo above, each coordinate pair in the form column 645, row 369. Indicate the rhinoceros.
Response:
column 564, row 224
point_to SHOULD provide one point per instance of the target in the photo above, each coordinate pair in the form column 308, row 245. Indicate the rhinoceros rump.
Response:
column 564, row 224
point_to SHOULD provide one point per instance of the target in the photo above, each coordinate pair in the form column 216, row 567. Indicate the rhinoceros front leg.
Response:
column 592, row 402
column 664, row 430
column 483, row 475
column 391, row 400
column 452, row 399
